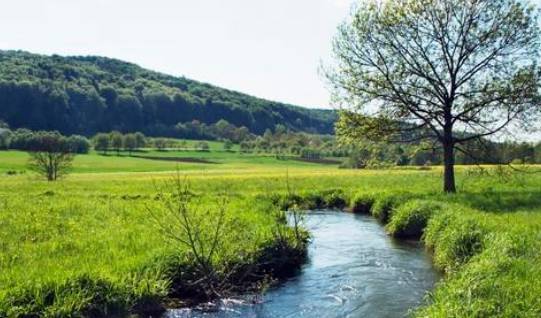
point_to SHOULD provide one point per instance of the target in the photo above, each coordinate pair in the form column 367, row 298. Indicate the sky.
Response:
column 268, row 48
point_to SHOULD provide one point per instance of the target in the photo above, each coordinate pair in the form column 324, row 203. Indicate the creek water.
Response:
column 354, row 269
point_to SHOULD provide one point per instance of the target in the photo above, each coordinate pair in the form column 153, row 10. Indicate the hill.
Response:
column 88, row 94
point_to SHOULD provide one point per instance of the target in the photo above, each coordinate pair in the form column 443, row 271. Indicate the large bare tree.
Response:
column 450, row 71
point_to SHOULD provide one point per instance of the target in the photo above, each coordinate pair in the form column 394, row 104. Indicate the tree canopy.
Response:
column 87, row 95
column 449, row 71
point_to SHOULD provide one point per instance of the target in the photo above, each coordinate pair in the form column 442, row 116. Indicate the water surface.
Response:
column 354, row 270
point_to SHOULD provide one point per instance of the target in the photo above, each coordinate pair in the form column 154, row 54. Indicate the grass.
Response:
column 87, row 244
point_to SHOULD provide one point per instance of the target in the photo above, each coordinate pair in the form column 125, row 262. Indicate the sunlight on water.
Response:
column 354, row 270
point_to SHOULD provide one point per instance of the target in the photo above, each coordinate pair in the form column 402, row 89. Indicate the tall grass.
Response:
column 88, row 246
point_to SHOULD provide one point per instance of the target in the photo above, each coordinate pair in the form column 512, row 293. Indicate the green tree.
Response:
column 140, row 140
column 202, row 146
column 245, row 147
column 116, row 141
column 183, row 144
column 102, row 142
column 451, row 71
column 228, row 145
column 5, row 136
column 130, row 143
column 78, row 144
column 160, row 143
column 50, row 155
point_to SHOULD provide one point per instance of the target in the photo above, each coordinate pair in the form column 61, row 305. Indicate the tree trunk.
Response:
column 448, row 168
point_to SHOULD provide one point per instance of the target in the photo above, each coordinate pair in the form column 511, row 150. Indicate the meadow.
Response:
column 90, row 245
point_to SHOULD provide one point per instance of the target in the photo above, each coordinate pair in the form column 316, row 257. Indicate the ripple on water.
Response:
column 354, row 270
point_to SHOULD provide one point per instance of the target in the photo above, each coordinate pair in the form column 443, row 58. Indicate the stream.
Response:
column 354, row 269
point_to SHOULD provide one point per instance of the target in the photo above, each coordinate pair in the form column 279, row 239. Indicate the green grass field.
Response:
column 88, row 243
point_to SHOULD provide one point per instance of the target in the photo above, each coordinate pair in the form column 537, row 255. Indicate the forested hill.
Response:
column 86, row 95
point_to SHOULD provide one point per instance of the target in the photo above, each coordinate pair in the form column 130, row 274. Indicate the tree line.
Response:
column 87, row 95
column 282, row 142
column 28, row 140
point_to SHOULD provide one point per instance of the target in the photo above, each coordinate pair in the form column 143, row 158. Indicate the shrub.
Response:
column 313, row 200
column 334, row 198
column 228, row 145
column 410, row 219
column 453, row 239
column 78, row 144
column 202, row 146
column 5, row 135
column 101, row 142
column 362, row 203
column 385, row 203
column 160, row 144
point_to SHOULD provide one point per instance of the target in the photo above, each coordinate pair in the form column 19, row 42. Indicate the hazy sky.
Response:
column 267, row 48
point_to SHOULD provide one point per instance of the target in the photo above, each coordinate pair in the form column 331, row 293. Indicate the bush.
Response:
column 453, row 239
column 20, row 139
column 334, row 198
column 410, row 219
column 313, row 201
column 78, row 144
column 5, row 136
column 202, row 146
column 362, row 203
column 385, row 203
column 228, row 145
column 284, row 201
column 311, row 154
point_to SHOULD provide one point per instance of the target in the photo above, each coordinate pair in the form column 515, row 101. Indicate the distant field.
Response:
column 217, row 160
column 94, row 224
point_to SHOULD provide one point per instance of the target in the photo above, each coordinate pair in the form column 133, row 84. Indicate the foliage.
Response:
column 449, row 72
column 202, row 146
column 410, row 219
column 228, row 145
column 87, row 95
column 129, row 141
column 362, row 203
column 88, row 242
column 101, row 142
column 385, row 204
column 50, row 155
column 116, row 141
column 24, row 139
column 78, row 144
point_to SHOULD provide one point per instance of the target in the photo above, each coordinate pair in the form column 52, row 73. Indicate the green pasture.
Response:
column 89, row 243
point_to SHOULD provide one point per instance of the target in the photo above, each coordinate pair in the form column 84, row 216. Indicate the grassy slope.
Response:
column 486, row 238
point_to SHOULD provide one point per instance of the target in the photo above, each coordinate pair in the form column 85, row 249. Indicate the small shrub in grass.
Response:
column 334, row 198
column 313, row 200
column 410, row 219
column 362, row 203
column 385, row 203
column 284, row 201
